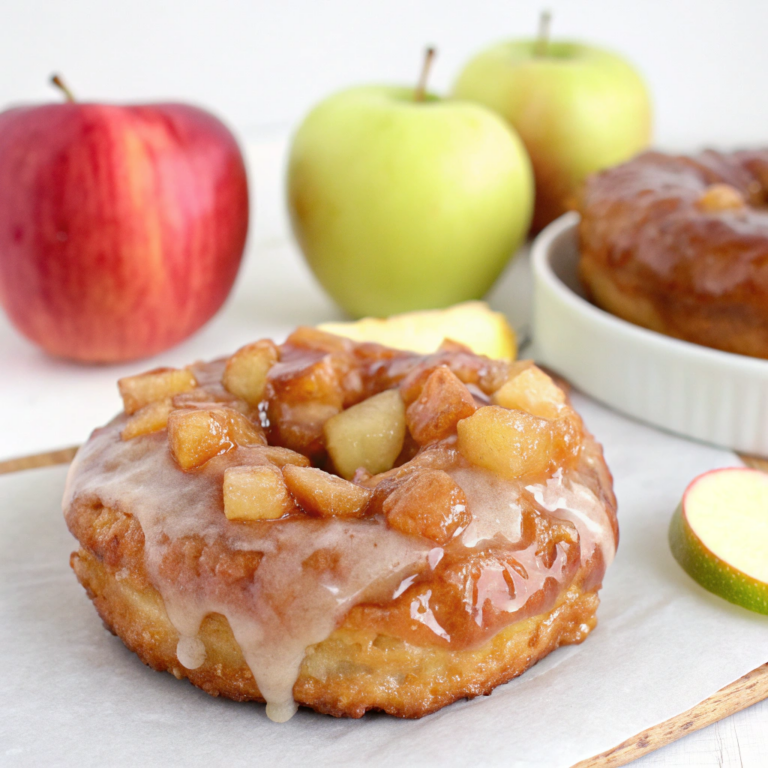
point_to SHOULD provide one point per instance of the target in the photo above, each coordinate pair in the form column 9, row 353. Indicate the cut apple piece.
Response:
column 256, row 493
column 196, row 436
column 324, row 495
column 532, row 391
column 719, row 535
column 515, row 444
column 204, row 398
column 472, row 324
column 302, row 397
column 245, row 375
column 443, row 402
column 369, row 434
column 151, row 418
column 138, row 391
column 720, row 197
column 281, row 457
column 429, row 504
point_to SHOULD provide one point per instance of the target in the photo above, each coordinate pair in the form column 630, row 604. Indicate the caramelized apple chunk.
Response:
column 151, row 418
column 515, row 444
column 325, row 495
column 256, row 493
column 429, row 504
column 487, row 375
column 369, row 434
column 302, row 397
column 532, row 391
column 720, row 197
column 281, row 457
column 245, row 374
column 138, row 391
column 197, row 435
column 306, row 337
column 209, row 398
column 443, row 402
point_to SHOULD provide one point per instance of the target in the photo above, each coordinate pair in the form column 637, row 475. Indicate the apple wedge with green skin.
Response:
column 401, row 204
column 577, row 108
column 719, row 535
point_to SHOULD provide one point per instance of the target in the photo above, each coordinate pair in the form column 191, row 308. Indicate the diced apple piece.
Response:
column 138, row 391
column 369, row 434
column 204, row 398
column 324, row 495
column 197, row 435
column 429, row 504
column 302, row 397
column 245, row 375
column 318, row 339
column 720, row 197
column 515, row 444
column 242, row 430
column 151, row 418
column 532, row 391
column 281, row 457
column 487, row 375
column 443, row 402
column 255, row 493
column 719, row 535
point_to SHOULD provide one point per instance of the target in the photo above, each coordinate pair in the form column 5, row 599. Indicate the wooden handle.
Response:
column 37, row 460
column 747, row 690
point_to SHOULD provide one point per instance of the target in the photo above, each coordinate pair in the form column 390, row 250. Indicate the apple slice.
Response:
column 719, row 535
column 471, row 323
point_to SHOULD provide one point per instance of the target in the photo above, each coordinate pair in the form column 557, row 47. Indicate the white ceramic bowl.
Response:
column 702, row 393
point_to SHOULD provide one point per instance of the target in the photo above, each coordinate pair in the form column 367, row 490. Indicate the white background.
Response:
column 265, row 62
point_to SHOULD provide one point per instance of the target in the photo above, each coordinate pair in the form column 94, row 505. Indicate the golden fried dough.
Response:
column 214, row 550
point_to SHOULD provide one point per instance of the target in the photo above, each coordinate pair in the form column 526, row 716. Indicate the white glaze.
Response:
column 577, row 504
column 494, row 504
column 139, row 477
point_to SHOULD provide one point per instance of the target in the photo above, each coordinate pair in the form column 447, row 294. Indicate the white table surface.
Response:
column 52, row 404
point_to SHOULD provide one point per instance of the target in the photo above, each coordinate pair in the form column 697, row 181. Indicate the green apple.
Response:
column 577, row 108
column 401, row 204
column 719, row 535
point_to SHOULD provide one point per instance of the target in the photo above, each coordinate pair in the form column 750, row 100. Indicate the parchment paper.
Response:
column 72, row 695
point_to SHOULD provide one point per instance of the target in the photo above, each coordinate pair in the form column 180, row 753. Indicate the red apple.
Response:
column 121, row 227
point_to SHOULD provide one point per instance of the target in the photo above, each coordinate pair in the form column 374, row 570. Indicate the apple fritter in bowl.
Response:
column 343, row 526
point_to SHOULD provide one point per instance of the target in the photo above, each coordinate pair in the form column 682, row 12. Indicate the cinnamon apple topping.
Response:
column 436, row 499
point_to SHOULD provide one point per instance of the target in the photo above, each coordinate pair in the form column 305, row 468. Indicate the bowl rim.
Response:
column 541, row 253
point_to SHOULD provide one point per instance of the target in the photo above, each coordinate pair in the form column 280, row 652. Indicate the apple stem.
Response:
column 543, row 40
column 421, row 88
column 59, row 83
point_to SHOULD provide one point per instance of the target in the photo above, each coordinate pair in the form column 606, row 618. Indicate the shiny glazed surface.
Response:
column 680, row 245
column 506, row 550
